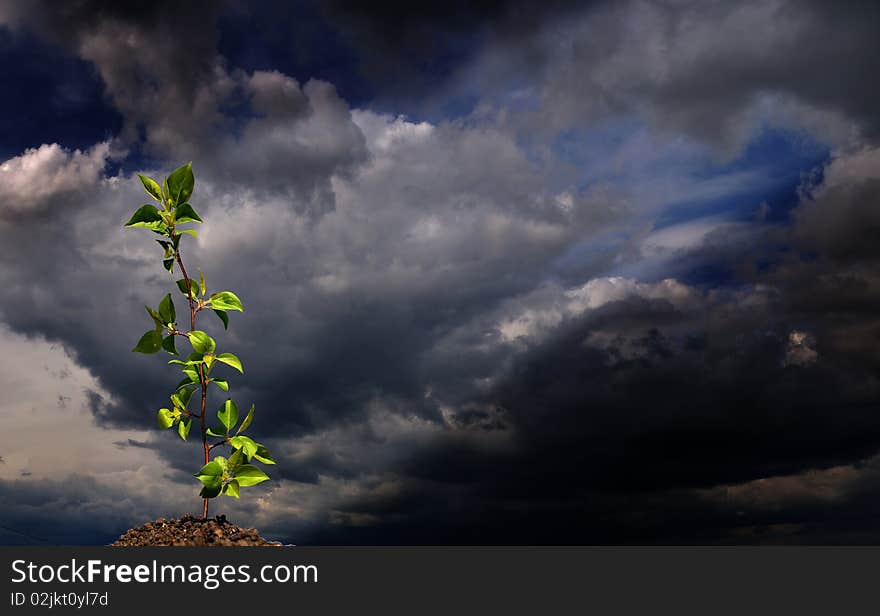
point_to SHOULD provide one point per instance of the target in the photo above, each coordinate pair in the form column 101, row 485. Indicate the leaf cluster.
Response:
column 220, row 475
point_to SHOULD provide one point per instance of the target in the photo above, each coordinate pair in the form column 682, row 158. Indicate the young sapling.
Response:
column 220, row 475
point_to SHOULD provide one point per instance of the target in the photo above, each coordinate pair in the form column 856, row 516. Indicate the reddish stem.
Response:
column 202, row 380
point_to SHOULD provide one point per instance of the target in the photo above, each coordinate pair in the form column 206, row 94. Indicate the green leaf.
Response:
column 202, row 286
column 215, row 432
column 146, row 216
column 193, row 286
column 235, row 461
column 181, row 183
column 225, row 300
column 191, row 232
column 247, row 421
column 169, row 265
column 184, row 397
column 202, row 342
column 186, row 213
column 211, row 490
column 183, row 428
column 156, row 318
column 263, row 455
column 230, row 360
column 222, row 462
column 167, row 246
column 223, row 317
column 211, row 469
column 221, row 383
column 168, row 344
column 248, row 447
column 228, row 414
column 231, row 489
column 152, row 187
column 192, row 374
column 165, row 191
column 250, row 475
column 166, row 309
column 150, row 342
column 211, row 476
column 165, row 418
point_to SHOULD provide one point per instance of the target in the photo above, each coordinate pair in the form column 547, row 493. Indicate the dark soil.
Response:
column 190, row 530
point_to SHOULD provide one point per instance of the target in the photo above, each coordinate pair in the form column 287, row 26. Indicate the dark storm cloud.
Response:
column 714, row 71
column 415, row 368
column 408, row 50
column 814, row 508
column 711, row 70
column 161, row 70
column 32, row 521
column 604, row 424
column 81, row 509
column 347, row 324
column 174, row 40
column 393, row 22
column 841, row 218
column 51, row 95
column 158, row 62
column 619, row 419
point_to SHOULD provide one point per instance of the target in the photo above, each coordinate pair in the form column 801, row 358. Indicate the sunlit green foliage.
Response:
column 219, row 475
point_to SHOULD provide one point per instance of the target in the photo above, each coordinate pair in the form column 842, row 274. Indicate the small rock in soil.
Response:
column 190, row 530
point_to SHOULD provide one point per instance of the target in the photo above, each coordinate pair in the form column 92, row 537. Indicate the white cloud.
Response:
column 848, row 167
column 681, row 237
column 549, row 311
column 600, row 291
column 42, row 173
column 384, row 133
column 51, row 431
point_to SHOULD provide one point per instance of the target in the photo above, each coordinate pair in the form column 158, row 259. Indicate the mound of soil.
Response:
column 190, row 530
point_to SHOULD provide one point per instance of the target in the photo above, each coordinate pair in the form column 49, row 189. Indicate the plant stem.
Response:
column 202, row 380
column 204, row 428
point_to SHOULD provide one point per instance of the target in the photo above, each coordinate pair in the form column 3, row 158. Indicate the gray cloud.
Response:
column 714, row 71
column 162, row 72
column 418, row 366
column 303, row 136
column 158, row 62
column 841, row 216
column 652, row 394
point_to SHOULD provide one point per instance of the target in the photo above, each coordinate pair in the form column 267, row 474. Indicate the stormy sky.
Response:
column 513, row 272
